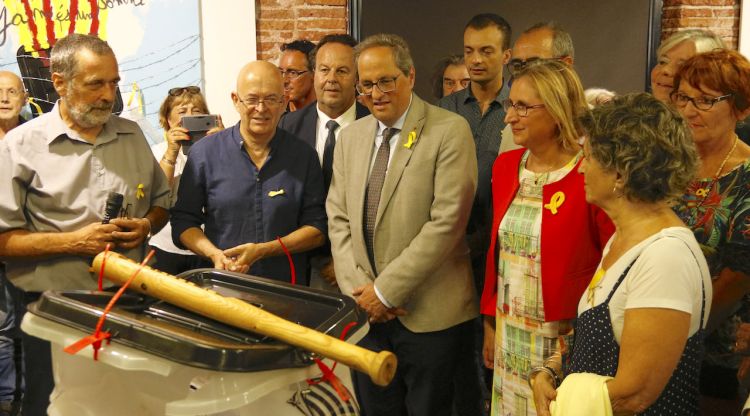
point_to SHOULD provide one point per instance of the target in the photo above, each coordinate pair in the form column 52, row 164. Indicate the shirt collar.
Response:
column 399, row 124
column 240, row 142
column 57, row 128
column 468, row 95
column 343, row 120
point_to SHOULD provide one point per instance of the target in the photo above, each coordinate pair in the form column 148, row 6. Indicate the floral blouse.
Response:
column 718, row 212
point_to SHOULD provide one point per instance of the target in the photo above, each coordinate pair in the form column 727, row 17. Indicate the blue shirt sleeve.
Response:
column 189, row 211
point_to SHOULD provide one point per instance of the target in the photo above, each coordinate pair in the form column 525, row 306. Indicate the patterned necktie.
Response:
column 331, row 125
column 374, row 187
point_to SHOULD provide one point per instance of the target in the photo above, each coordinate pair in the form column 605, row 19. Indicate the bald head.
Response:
column 260, row 72
column 259, row 100
column 9, row 78
column 12, row 99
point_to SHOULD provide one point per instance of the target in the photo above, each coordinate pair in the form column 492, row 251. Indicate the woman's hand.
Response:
column 488, row 345
column 175, row 136
column 219, row 126
column 544, row 393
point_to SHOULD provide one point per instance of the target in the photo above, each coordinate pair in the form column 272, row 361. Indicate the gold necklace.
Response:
column 703, row 192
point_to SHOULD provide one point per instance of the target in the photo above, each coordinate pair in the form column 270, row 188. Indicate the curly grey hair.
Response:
column 646, row 142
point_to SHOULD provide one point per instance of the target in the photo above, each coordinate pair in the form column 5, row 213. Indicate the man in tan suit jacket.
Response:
column 409, row 267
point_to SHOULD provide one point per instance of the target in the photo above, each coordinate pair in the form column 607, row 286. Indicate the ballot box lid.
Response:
column 165, row 330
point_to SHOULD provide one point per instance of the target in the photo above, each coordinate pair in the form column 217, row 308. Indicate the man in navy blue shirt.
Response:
column 250, row 185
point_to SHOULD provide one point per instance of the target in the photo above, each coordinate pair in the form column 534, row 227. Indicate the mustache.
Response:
column 102, row 105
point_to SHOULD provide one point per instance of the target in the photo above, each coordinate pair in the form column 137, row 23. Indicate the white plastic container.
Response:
column 126, row 381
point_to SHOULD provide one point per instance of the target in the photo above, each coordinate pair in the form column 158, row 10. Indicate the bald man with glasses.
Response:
column 252, row 189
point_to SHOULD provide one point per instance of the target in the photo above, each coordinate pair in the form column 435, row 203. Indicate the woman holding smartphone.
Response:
column 180, row 102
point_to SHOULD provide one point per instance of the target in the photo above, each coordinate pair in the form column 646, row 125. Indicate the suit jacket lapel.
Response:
column 310, row 124
column 414, row 123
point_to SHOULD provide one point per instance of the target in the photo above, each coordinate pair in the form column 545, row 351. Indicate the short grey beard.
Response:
column 85, row 118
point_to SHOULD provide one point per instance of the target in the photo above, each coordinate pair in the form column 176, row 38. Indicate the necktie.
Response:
column 374, row 187
column 331, row 125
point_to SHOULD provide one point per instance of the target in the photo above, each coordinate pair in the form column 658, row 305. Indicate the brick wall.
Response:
column 720, row 16
column 280, row 21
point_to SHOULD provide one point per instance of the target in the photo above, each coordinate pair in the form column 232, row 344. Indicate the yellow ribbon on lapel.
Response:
column 411, row 139
column 555, row 202
column 275, row 193
column 139, row 192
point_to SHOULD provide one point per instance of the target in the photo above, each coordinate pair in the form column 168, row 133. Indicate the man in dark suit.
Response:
column 320, row 123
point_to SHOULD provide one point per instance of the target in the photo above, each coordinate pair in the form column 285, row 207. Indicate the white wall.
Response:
column 228, row 43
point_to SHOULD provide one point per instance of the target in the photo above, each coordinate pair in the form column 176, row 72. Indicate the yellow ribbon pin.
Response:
column 411, row 139
column 555, row 202
column 275, row 193
column 139, row 192
column 703, row 192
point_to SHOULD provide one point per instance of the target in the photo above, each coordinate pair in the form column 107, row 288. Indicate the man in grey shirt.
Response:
column 55, row 174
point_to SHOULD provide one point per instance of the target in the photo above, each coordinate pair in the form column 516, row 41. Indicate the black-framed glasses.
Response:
column 451, row 83
column 176, row 92
column 701, row 103
column 515, row 66
column 521, row 109
column 385, row 85
column 271, row 101
column 292, row 73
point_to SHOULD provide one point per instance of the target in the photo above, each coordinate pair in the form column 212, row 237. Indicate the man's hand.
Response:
column 93, row 238
column 368, row 300
column 134, row 231
column 243, row 256
column 221, row 261
column 328, row 273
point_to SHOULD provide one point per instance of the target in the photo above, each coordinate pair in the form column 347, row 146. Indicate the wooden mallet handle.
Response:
column 381, row 366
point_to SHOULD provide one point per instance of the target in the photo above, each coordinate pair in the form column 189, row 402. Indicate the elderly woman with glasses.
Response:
column 638, row 338
column 546, row 239
column 712, row 92
column 172, row 155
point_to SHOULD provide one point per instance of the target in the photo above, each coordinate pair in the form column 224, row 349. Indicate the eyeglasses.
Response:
column 521, row 109
column 702, row 103
column 272, row 101
column 515, row 66
column 291, row 73
column 450, row 83
column 176, row 92
column 385, row 85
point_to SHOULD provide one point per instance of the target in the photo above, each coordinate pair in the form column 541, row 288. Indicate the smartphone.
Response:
column 197, row 127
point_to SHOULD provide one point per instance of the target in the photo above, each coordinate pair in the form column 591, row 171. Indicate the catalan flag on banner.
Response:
column 41, row 22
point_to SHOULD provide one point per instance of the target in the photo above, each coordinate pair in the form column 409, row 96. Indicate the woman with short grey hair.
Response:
column 673, row 52
column 641, row 321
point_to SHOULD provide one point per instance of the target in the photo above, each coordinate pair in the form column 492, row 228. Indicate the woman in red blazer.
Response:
column 546, row 241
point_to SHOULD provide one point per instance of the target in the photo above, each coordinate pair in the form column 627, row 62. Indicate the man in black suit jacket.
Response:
column 320, row 123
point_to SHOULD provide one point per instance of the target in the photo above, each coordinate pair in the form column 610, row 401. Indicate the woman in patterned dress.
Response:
column 547, row 239
column 712, row 92
column 642, row 319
